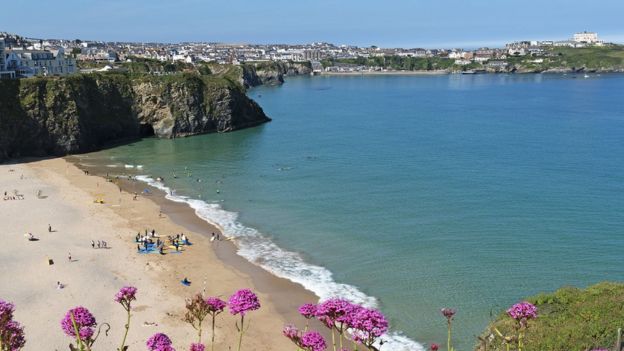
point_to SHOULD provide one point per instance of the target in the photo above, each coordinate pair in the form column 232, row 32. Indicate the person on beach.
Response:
column 99, row 244
column 59, row 286
column 139, row 247
column 213, row 237
column 49, row 228
column 93, row 244
column 69, row 258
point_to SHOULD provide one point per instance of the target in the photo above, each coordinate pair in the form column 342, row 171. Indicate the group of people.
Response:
column 15, row 196
column 146, row 243
column 100, row 244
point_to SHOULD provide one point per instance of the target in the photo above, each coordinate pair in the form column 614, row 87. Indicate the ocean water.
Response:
column 415, row 193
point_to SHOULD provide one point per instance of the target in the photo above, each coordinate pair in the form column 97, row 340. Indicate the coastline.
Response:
column 95, row 274
column 387, row 73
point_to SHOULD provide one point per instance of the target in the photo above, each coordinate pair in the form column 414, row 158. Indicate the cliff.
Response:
column 81, row 113
column 253, row 74
column 273, row 73
column 568, row 319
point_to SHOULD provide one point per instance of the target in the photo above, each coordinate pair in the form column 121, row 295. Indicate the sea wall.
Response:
column 81, row 113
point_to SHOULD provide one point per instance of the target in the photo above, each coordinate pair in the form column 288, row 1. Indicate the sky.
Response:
column 385, row 23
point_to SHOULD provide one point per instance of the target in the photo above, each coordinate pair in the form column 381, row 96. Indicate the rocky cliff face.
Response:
column 58, row 116
column 272, row 73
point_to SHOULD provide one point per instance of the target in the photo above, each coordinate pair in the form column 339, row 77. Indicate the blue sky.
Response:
column 387, row 23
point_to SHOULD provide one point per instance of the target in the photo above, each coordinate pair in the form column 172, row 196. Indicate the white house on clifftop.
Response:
column 29, row 63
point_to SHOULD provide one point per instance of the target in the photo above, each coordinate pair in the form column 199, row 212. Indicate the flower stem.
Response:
column 78, row 340
column 199, row 331
column 449, row 347
column 340, row 332
column 123, row 341
column 240, row 338
column 213, row 333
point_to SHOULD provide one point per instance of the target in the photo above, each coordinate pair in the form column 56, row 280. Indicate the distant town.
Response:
column 22, row 57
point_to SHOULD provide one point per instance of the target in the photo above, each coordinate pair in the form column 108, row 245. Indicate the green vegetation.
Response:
column 402, row 63
column 606, row 57
column 569, row 319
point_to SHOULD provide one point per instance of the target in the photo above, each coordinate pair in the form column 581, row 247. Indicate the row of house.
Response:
column 24, row 63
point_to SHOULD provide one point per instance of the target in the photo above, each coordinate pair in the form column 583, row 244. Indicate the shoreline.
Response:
column 386, row 73
column 93, row 276
column 226, row 250
column 286, row 294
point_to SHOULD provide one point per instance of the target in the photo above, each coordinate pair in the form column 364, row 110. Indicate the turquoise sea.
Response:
column 416, row 193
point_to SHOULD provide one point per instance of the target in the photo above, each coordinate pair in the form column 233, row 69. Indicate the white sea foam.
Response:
column 129, row 166
column 260, row 250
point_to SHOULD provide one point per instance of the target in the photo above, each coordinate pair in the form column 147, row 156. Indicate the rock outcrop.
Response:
column 58, row 116
column 272, row 73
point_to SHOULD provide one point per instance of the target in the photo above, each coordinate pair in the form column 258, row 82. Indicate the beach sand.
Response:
column 94, row 275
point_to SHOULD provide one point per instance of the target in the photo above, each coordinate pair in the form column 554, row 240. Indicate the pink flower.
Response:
column 243, row 301
column 197, row 347
column 434, row 347
column 215, row 305
column 127, row 293
column 335, row 311
column 313, row 341
column 12, row 334
column 6, row 311
column 159, row 342
column 85, row 322
column 369, row 324
column 448, row 313
column 308, row 310
column 292, row 333
column 522, row 311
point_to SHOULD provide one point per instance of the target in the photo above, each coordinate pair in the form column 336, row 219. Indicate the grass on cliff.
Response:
column 591, row 57
column 569, row 319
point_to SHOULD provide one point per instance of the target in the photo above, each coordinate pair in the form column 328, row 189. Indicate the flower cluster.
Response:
column 243, row 301
column 364, row 325
column 368, row 325
column 84, row 322
column 308, row 310
column 159, row 342
column 522, row 312
column 313, row 341
column 125, row 296
column 308, row 341
column 11, row 332
column 215, row 305
column 197, row 347
column 448, row 313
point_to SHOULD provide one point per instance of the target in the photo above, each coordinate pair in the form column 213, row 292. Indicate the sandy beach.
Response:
column 93, row 276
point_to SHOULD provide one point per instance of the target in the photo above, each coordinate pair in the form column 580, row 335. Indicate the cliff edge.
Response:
column 82, row 113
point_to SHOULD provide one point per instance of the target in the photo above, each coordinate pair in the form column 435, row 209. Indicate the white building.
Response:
column 4, row 73
column 586, row 37
column 29, row 63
